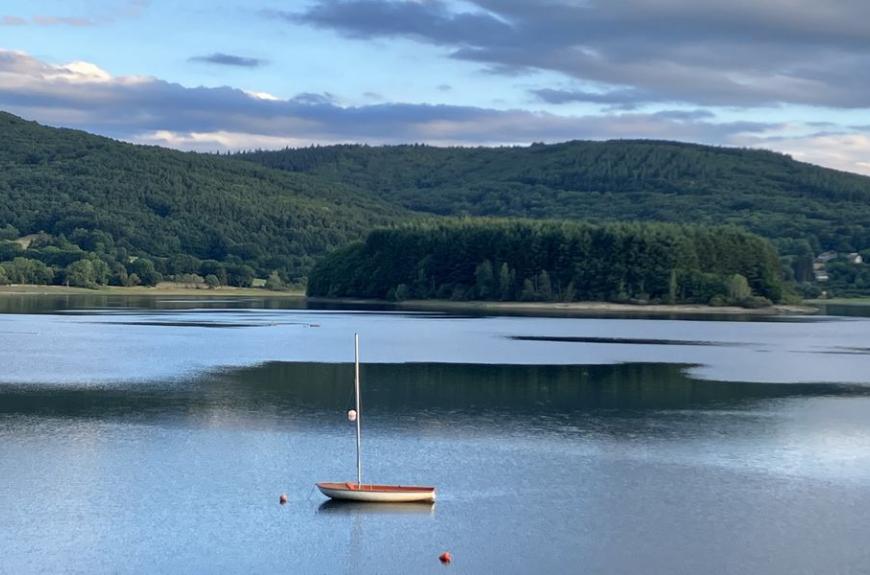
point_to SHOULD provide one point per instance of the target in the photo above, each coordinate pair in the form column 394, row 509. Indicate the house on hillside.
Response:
column 820, row 271
column 825, row 257
column 855, row 258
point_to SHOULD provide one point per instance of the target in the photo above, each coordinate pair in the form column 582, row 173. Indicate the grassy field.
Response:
column 162, row 289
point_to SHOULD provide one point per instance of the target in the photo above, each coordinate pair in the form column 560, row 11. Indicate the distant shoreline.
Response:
column 160, row 290
column 577, row 308
column 544, row 308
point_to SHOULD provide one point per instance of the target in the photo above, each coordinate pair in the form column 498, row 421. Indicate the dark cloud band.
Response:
column 222, row 59
column 737, row 53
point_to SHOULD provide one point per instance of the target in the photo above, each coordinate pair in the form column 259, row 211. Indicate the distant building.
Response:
column 821, row 275
column 855, row 258
column 825, row 257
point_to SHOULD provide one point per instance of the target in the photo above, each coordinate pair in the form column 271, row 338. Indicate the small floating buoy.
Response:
column 283, row 499
column 351, row 415
column 445, row 557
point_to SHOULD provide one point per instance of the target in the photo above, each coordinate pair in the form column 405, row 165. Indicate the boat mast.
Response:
column 356, row 389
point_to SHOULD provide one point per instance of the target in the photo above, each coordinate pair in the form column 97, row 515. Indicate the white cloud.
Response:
column 216, row 141
column 149, row 110
column 844, row 151
column 262, row 95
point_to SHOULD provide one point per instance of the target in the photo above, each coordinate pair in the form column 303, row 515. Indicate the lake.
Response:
column 156, row 434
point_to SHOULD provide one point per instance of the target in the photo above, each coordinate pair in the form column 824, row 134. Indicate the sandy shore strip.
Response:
column 575, row 308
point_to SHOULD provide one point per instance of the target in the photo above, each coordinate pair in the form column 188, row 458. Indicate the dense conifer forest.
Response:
column 798, row 206
column 509, row 260
column 85, row 210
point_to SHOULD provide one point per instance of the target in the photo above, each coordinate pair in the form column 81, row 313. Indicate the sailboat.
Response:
column 360, row 491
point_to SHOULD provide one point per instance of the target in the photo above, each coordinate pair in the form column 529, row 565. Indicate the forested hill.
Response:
column 123, row 201
column 133, row 213
column 766, row 192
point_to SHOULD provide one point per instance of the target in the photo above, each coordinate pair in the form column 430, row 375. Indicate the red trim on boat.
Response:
column 348, row 486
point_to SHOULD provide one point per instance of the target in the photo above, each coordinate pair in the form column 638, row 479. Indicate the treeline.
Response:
column 523, row 260
column 60, row 260
column 622, row 180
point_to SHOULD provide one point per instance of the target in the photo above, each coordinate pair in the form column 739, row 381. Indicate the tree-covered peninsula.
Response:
column 525, row 260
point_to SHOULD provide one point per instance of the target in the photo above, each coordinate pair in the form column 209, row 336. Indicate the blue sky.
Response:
column 787, row 75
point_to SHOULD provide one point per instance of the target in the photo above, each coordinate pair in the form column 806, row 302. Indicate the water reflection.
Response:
column 307, row 391
column 353, row 507
column 49, row 302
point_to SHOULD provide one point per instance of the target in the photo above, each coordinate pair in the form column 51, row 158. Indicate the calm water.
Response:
column 139, row 435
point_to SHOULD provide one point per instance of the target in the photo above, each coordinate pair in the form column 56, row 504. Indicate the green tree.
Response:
column 28, row 271
column 274, row 282
column 484, row 280
column 402, row 292
column 240, row 275
column 212, row 281
column 569, row 292
column 4, row 278
column 505, row 282
column 10, row 250
column 545, row 286
column 145, row 271
column 81, row 274
column 119, row 275
column 737, row 288
column 529, row 292
column 102, row 273
column 8, row 232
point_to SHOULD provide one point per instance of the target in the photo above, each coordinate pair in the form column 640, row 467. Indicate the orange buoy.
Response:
column 283, row 499
column 445, row 557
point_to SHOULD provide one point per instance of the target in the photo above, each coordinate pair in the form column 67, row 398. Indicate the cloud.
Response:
column 313, row 99
column 149, row 110
column 842, row 151
column 222, row 59
column 126, row 9
column 46, row 21
column 12, row 21
column 736, row 53
column 627, row 98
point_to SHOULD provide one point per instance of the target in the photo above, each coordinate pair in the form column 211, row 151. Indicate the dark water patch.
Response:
column 207, row 324
column 856, row 309
column 409, row 391
column 624, row 340
column 845, row 351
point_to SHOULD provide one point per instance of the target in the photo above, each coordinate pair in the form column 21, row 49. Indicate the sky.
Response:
column 786, row 75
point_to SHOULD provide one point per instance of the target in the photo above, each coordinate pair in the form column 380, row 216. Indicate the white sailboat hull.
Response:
column 377, row 493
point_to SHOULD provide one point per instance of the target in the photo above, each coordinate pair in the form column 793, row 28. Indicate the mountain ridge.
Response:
column 649, row 180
